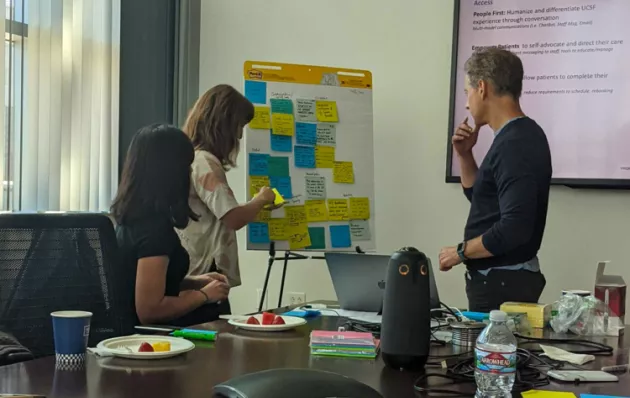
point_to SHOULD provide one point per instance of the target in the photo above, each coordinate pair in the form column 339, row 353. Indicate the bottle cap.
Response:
column 498, row 316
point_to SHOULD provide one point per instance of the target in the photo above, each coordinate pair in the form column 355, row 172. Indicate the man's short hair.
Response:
column 501, row 68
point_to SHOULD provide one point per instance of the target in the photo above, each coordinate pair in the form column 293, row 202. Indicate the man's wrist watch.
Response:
column 461, row 248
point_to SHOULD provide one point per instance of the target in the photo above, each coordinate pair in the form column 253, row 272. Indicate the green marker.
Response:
column 193, row 334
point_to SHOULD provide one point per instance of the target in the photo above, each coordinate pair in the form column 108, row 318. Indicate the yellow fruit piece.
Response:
column 161, row 346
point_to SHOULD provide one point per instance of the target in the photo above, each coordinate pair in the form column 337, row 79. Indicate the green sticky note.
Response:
column 318, row 238
column 278, row 166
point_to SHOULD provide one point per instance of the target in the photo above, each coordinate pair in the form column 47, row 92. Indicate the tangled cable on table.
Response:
column 531, row 369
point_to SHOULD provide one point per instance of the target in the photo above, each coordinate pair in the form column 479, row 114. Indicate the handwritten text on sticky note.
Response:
column 360, row 230
column 257, row 182
column 359, row 208
column 279, row 105
column 326, row 134
column 315, row 187
column 278, row 229
column 327, row 111
column 258, row 232
column 304, row 156
column 324, row 157
column 338, row 209
column 281, row 143
column 282, row 124
column 299, row 237
column 305, row 110
column 261, row 118
column 316, row 210
column 306, row 133
column 343, row 173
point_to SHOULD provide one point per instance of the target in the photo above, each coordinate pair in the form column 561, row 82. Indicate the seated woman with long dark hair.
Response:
column 152, row 201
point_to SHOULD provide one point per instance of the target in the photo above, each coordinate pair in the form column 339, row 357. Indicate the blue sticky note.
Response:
column 304, row 156
column 256, row 92
column 306, row 133
column 279, row 105
column 258, row 232
column 258, row 164
column 340, row 236
column 283, row 185
column 281, row 143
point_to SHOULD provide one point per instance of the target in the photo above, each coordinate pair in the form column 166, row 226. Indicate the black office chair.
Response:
column 54, row 262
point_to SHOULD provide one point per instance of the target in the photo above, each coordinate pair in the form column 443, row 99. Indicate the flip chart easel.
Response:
column 312, row 140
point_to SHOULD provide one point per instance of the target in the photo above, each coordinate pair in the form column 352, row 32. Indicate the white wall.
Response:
column 407, row 46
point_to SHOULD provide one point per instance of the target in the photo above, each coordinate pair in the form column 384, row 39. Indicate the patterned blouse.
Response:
column 209, row 239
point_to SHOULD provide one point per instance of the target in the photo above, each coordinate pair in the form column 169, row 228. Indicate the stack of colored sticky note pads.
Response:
column 344, row 344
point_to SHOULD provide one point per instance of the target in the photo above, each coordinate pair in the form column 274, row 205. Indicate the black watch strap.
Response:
column 461, row 248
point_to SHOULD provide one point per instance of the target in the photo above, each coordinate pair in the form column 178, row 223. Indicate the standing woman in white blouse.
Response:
column 215, row 126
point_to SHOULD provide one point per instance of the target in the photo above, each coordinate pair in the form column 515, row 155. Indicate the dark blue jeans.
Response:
column 487, row 293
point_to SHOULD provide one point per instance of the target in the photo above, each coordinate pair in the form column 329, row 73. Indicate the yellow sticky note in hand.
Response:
column 326, row 111
column 278, row 229
column 299, row 237
column 547, row 394
column 261, row 118
column 282, row 124
column 277, row 201
column 316, row 210
column 338, row 209
column 324, row 157
column 343, row 173
column 359, row 209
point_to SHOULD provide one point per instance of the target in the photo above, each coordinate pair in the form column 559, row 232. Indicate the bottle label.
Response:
column 495, row 362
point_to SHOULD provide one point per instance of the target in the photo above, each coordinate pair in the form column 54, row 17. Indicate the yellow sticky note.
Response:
column 324, row 157
column 277, row 201
column 282, row 124
column 359, row 208
column 343, row 173
column 299, row 237
column 263, row 216
column 326, row 111
column 547, row 394
column 278, row 229
column 261, row 118
column 338, row 209
column 316, row 210
column 257, row 182
column 295, row 215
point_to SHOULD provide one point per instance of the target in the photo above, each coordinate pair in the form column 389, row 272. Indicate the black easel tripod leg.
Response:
column 264, row 291
column 284, row 274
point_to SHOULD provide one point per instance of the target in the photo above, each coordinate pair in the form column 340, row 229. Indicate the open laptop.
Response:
column 356, row 279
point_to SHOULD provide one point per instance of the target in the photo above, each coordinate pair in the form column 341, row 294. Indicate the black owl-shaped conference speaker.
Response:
column 406, row 322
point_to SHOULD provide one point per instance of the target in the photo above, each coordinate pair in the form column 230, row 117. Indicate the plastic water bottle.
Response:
column 495, row 359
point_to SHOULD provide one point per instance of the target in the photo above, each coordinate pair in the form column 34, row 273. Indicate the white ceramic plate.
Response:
column 290, row 323
column 127, row 347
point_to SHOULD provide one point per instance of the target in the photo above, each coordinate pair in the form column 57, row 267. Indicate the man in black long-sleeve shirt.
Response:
column 508, row 192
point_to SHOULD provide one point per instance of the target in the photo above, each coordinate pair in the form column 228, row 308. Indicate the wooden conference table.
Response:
column 238, row 352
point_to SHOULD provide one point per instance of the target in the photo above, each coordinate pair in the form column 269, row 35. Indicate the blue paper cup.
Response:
column 71, row 330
